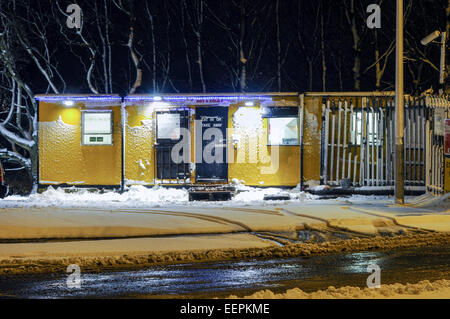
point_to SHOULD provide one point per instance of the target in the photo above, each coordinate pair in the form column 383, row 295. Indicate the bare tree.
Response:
column 381, row 59
column 245, row 25
column 106, row 45
column 130, row 12
column 84, row 43
column 351, row 14
column 196, row 20
column 153, row 41
column 185, row 43
column 277, row 16
column 322, row 46
column 242, row 60
column 307, row 40
column 21, row 134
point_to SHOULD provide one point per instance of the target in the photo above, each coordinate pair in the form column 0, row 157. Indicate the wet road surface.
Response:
column 221, row 279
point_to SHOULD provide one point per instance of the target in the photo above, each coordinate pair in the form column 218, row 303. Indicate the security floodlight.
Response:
column 68, row 103
column 157, row 98
column 430, row 38
column 427, row 40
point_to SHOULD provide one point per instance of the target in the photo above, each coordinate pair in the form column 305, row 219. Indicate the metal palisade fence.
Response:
column 358, row 142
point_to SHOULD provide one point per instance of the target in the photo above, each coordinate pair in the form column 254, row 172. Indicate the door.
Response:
column 170, row 126
column 211, row 144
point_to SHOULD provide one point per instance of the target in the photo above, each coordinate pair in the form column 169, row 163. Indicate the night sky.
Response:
column 285, row 35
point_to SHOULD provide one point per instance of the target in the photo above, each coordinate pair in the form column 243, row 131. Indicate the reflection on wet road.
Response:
column 220, row 279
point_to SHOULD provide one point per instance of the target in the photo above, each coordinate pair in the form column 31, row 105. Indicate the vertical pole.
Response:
column 427, row 155
column 392, row 146
column 301, row 112
column 123, row 122
column 399, row 109
column 327, row 133
column 372, row 143
column 333, row 128
column 345, row 143
column 442, row 67
column 339, row 127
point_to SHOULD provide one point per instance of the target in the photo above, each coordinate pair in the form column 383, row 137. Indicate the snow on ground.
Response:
column 439, row 289
column 95, row 255
column 135, row 196
column 140, row 196
column 130, row 246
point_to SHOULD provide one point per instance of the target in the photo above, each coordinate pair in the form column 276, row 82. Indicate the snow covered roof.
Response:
column 59, row 97
column 190, row 95
column 206, row 98
column 351, row 94
column 87, row 99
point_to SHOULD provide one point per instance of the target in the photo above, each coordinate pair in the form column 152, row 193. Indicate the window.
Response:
column 282, row 131
column 168, row 126
column 372, row 120
column 96, row 128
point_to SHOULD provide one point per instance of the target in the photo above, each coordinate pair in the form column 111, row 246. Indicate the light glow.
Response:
column 248, row 118
column 75, row 98
column 190, row 98
column 69, row 103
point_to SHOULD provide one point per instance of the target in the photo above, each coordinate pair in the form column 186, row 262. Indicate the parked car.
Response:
column 3, row 186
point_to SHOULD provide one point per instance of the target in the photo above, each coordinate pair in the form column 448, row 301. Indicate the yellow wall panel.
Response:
column 312, row 125
column 139, row 140
column 62, row 158
column 252, row 160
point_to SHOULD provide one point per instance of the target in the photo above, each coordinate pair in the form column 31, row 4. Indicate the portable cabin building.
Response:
column 205, row 138
column 102, row 141
column 343, row 140
column 80, row 140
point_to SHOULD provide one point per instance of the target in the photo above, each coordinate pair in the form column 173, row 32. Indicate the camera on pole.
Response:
column 430, row 38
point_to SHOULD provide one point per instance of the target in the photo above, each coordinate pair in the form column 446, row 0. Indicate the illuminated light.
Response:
column 75, row 98
column 248, row 118
column 70, row 116
column 249, row 104
column 200, row 98
column 69, row 103
column 157, row 98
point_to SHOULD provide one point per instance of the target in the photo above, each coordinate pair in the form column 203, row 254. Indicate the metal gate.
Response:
column 358, row 142
column 438, row 112
column 169, row 126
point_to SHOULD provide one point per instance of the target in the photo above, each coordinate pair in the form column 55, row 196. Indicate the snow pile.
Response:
column 141, row 196
column 365, row 198
column 136, row 196
column 247, row 194
column 429, row 201
column 423, row 289
column 155, row 195
column 255, row 194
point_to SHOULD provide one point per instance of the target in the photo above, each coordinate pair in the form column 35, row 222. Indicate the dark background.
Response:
column 290, row 37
